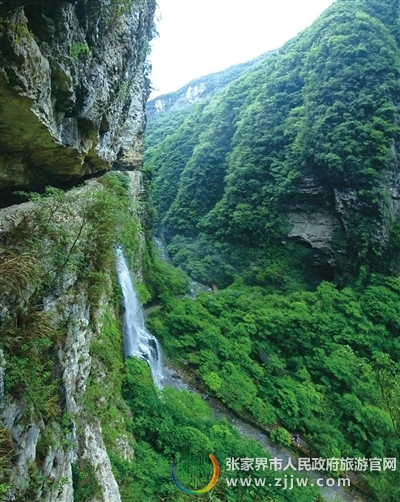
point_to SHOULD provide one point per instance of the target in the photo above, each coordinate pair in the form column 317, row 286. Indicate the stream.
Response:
column 138, row 342
column 195, row 287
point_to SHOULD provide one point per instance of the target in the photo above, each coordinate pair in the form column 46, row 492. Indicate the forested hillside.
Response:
column 283, row 191
column 295, row 166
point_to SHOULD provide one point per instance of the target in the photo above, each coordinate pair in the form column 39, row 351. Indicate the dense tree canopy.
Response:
column 313, row 128
column 323, row 107
column 325, row 363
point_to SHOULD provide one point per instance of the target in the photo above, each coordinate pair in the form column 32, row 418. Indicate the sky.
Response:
column 198, row 37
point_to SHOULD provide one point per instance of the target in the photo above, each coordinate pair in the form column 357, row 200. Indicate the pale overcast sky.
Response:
column 198, row 37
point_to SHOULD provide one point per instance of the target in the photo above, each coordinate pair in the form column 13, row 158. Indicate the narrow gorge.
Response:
column 254, row 214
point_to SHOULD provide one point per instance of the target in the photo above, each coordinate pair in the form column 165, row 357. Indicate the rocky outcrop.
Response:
column 95, row 449
column 47, row 446
column 319, row 213
column 200, row 89
column 313, row 217
column 316, row 229
column 73, row 88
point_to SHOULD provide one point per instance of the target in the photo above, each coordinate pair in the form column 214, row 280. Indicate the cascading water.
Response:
column 138, row 342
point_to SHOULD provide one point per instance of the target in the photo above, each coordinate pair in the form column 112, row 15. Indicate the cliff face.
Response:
column 61, row 410
column 73, row 87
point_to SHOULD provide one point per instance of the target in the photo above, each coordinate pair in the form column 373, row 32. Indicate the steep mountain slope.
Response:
column 295, row 166
column 290, row 176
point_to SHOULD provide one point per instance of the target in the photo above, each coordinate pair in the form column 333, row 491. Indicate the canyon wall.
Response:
column 73, row 87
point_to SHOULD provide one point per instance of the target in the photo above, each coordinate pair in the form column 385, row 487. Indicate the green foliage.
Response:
column 6, row 456
column 79, row 49
column 15, row 30
column 84, row 482
column 168, row 168
column 118, row 8
column 32, row 376
column 325, row 363
column 162, row 280
column 281, row 435
column 208, row 262
column 230, row 170
column 31, row 370
column 169, row 424
column 177, row 104
column 389, row 384
column 36, row 484
column 103, row 395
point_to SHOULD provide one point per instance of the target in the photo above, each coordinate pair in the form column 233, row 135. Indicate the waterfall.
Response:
column 138, row 342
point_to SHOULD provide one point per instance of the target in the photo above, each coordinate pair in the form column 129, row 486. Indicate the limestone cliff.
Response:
column 73, row 87
column 61, row 409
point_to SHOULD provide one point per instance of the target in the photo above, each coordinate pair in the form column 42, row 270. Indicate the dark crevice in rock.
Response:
column 10, row 197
